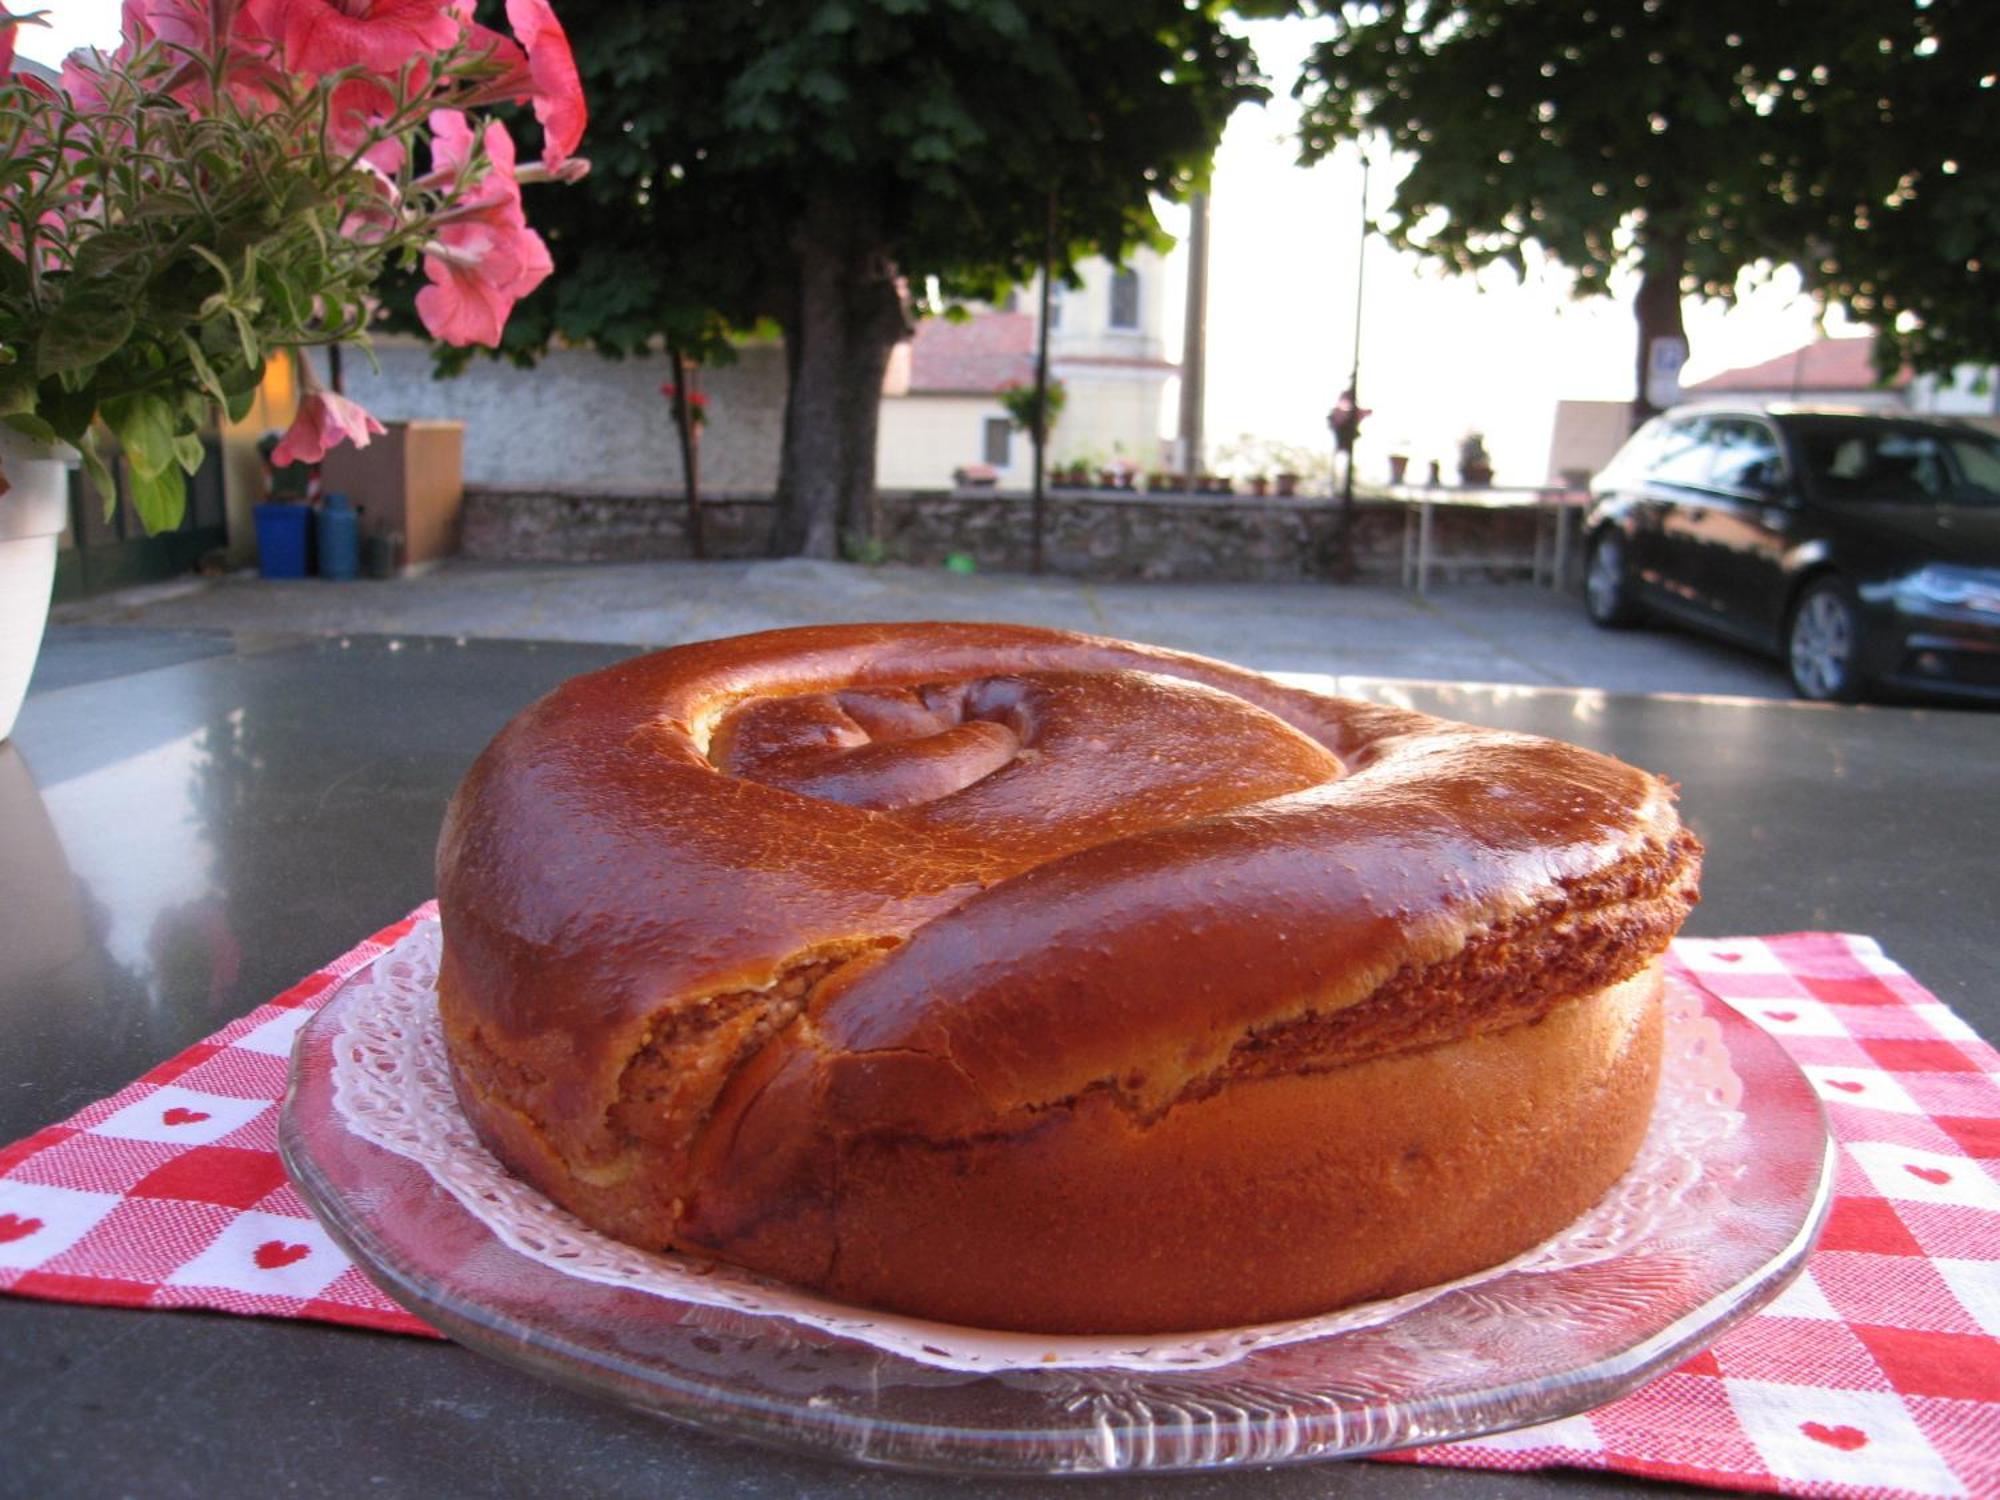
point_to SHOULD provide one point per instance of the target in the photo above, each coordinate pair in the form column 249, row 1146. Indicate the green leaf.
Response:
column 30, row 425
column 89, row 325
column 160, row 499
column 68, row 411
column 203, row 371
column 188, row 451
column 113, row 258
column 99, row 471
column 17, row 390
column 145, row 428
column 247, row 336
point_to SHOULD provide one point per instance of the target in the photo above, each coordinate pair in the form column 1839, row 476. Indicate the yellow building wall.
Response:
column 1110, row 417
column 923, row 438
column 242, row 468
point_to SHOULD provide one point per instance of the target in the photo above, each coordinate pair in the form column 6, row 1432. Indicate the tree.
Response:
column 815, row 164
column 1691, row 139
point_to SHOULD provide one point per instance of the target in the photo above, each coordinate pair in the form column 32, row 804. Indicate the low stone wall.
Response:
column 1092, row 535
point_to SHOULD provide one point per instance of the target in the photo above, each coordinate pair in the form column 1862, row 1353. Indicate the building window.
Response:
column 1055, row 307
column 1125, row 299
column 999, row 442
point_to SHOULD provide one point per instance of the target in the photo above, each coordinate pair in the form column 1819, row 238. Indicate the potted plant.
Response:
column 1018, row 401
column 1475, row 468
column 227, row 187
column 1288, row 485
column 1399, row 467
column 1260, row 485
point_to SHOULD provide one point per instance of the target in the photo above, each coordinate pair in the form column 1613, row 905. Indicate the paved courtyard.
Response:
column 1472, row 632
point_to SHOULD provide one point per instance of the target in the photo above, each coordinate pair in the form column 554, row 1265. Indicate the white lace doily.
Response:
column 392, row 1087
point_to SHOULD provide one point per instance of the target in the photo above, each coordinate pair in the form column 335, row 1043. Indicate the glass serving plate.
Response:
column 1502, row 1350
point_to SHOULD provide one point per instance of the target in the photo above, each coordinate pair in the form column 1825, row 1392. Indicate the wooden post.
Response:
column 1039, row 427
column 690, row 436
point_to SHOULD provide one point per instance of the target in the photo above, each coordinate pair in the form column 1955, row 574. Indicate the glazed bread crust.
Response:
column 1031, row 980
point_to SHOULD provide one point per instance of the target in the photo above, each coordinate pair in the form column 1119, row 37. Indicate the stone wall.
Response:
column 1088, row 535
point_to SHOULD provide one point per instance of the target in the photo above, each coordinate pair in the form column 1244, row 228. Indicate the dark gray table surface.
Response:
column 183, row 839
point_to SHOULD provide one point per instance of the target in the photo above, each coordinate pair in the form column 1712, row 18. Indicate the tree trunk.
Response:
column 1658, row 307
column 845, row 320
column 690, row 438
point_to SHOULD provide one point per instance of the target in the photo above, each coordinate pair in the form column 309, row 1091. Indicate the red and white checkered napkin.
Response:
column 170, row 1193
column 1877, row 1373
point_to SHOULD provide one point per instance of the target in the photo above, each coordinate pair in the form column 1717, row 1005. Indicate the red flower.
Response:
column 697, row 403
column 486, row 258
column 324, row 421
column 555, row 89
column 324, row 36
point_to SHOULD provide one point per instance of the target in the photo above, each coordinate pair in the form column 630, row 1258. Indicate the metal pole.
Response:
column 1194, row 343
column 1038, row 428
column 1344, row 568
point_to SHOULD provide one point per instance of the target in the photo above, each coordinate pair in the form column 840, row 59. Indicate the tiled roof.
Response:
column 1845, row 364
column 985, row 352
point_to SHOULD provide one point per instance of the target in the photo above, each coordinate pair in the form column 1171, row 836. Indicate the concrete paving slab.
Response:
column 1472, row 632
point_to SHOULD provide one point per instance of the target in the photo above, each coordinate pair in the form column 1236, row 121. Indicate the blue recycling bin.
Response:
column 284, row 540
column 339, row 538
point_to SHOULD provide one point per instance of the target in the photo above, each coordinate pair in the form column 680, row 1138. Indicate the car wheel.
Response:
column 1823, row 645
column 1607, row 583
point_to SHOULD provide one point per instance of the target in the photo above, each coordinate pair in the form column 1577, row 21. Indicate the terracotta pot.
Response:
column 33, row 513
column 1288, row 485
column 1399, row 467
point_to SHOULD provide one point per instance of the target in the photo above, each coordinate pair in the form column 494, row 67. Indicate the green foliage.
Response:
column 909, row 139
column 946, row 121
column 164, row 231
column 1851, row 138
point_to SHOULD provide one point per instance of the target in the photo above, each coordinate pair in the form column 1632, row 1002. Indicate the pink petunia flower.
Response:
column 318, row 37
column 486, row 258
column 324, row 421
column 555, row 89
column 8, row 25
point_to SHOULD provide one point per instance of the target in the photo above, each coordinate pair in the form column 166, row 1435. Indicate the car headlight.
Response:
column 1965, row 588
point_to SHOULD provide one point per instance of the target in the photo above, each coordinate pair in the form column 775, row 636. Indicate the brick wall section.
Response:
column 1093, row 536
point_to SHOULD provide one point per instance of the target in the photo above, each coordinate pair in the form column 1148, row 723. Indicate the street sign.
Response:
column 1664, row 358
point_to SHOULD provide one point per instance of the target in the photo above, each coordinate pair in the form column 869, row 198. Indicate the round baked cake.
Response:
column 1028, row 980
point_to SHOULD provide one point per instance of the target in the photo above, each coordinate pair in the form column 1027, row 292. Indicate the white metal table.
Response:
column 1555, row 510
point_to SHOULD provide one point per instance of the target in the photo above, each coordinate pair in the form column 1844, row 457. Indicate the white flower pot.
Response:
column 33, row 513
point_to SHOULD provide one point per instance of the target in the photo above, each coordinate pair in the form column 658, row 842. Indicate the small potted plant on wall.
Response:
column 225, row 188
column 1475, row 468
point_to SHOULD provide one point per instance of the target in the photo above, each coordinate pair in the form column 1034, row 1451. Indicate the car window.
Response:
column 1978, row 461
column 1878, row 460
column 1631, row 461
column 1683, row 455
column 1746, row 454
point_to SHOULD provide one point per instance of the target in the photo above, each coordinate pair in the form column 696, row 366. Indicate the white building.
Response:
column 941, row 408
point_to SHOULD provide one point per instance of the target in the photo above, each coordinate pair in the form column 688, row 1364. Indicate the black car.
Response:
column 1861, row 547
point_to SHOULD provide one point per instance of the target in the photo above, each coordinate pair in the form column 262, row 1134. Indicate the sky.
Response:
column 1440, row 355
